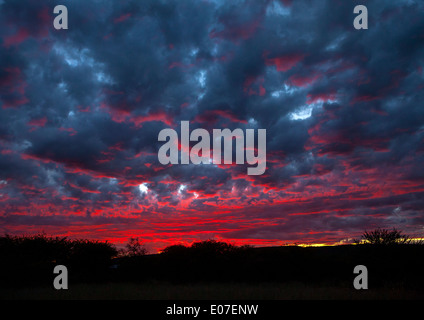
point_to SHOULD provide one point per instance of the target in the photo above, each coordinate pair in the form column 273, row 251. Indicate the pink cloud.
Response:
column 235, row 33
column 211, row 116
column 152, row 116
column 323, row 97
column 303, row 81
column 122, row 18
column 16, row 38
column 34, row 123
column 254, row 86
column 285, row 63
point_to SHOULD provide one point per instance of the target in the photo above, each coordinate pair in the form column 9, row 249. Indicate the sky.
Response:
column 81, row 110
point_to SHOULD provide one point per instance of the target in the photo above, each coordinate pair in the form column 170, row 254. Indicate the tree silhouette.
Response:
column 384, row 237
column 211, row 247
column 135, row 248
column 175, row 249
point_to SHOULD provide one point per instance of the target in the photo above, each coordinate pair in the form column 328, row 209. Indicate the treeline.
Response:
column 208, row 260
column 30, row 260
column 333, row 265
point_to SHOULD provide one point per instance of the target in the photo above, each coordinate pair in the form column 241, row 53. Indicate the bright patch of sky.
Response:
column 103, row 78
column 335, row 43
column 302, row 113
column 305, row 111
column 194, row 51
column 181, row 188
column 288, row 90
column 62, row 85
column 76, row 58
column 276, row 8
column 24, row 145
column 201, row 79
column 143, row 188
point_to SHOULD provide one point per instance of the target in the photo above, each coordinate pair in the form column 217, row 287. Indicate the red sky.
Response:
column 81, row 110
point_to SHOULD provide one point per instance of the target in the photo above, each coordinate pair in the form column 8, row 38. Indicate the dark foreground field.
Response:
column 211, row 270
column 209, row 291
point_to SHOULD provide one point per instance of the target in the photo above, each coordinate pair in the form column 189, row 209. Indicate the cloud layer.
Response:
column 81, row 109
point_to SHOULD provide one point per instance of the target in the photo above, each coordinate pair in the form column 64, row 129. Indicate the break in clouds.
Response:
column 81, row 110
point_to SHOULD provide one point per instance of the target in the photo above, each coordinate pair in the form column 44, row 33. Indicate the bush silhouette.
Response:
column 211, row 248
column 175, row 250
column 207, row 248
column 91, row 253
column 134, row 248
column 203, row 260
column 28, row 259
column 384, row 237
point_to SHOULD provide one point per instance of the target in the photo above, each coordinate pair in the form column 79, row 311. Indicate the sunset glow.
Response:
column 81, row 110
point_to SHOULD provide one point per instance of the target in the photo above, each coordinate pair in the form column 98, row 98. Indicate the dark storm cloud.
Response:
column 80, row 109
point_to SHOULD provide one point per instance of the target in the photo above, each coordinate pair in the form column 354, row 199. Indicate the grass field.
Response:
column 212, row 291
